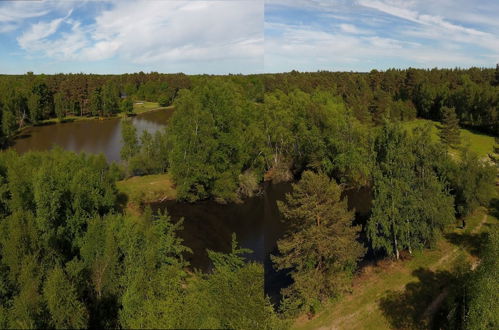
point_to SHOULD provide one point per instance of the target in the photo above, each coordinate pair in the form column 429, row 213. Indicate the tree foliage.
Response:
column 321, row 248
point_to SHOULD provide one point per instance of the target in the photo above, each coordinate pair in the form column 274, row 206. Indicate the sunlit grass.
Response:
column 480, row 143
column 148, row 188
column 144, row 106
column 361, row 310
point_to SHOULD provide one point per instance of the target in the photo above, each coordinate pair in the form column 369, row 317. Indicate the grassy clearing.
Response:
column 414, row 281
column 144, row 106
column 147, row 188
column 481, row 143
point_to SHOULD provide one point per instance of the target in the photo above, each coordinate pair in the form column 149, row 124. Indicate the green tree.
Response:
column 59, row 105
column 9, row 118
column 164, row 100
column 411, row 203
column 96, row 106
column 450, row 134
column 65, row 308
column 110, row 99
column 207, row 141
column 127, row 106
column 321, row 248
column 472, row 182
column 35, row 108
column 130, row 140
column 483, row 309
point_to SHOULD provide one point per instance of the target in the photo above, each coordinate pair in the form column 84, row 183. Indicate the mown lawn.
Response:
column 481, row 143
column 147, row 188
column 386, row 295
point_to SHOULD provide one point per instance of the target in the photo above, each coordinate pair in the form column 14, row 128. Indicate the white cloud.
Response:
column 350, row 28
column 39, row 31
column 146, row 32
column 433, row 26
column 382, row 34
column 308, row 49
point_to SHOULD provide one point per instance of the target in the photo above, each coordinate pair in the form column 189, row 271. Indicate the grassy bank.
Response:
column 145, row 106
column 147, row 188
column 391, row 293
column 481, row 143
column 139, row 107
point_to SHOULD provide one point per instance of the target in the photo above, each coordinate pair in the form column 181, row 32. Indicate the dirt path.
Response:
column 349, row 318
column 435, row 304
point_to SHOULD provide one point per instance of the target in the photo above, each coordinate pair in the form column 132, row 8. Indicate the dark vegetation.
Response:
column 70, row 258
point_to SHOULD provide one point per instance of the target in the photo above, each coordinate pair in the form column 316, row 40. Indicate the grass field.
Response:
column 481, row 143
column 395, row 294
column 148, row 188
column 144, row 106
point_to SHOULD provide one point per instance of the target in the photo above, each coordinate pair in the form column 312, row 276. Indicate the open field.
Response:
column 393, row 294
column 144, row 106
column 148, row 188
column 481, row 143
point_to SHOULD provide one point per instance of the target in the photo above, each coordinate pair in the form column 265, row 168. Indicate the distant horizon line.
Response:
column 252, row 74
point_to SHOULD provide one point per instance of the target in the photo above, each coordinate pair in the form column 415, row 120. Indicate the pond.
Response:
column 91, row 136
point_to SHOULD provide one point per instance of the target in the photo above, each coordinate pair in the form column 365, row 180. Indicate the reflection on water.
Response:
column 92, row 136
column 209, row 225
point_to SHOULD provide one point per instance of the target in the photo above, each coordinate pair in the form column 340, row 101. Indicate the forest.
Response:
column 71, row 256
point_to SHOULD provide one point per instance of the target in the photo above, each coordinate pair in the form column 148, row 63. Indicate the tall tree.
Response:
column 35, row 108
column 96, row 106
column 110, row 99
column 450, row 134
column 321, row 247
column 59, row 105
column 410, row 203
column 130, row 140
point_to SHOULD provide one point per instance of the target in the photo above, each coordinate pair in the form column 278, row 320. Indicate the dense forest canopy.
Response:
column 71, row 257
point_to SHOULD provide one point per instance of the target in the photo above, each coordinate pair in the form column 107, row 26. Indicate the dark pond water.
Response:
column 257, row 223
column 91, row 136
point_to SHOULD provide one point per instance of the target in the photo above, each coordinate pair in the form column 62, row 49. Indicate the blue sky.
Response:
column 130, row 36
column 360, row 35
column 246, row 36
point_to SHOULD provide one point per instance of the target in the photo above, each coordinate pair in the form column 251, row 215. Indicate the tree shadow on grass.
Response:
column 472, row 243
column 494, row 208
column 122, row 201
column 410, row 309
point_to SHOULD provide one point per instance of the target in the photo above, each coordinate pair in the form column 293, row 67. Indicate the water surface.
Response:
column 91, row 136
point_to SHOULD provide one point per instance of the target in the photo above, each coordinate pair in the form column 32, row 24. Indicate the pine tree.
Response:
column 450, row 134
column 321, row 248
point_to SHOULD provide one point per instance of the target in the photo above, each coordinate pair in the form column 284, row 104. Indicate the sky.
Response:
column 360, row 35
column 246, row 36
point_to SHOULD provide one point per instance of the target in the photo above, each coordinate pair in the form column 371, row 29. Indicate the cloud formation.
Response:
column 159, row 34
column 365, row 34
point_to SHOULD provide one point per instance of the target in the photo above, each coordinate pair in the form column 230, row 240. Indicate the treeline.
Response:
column 405, row 94
column 28, row 99
column 69, row 259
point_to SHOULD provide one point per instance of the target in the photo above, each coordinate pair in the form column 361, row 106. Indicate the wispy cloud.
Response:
column 366, row 34
column 154, row 33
